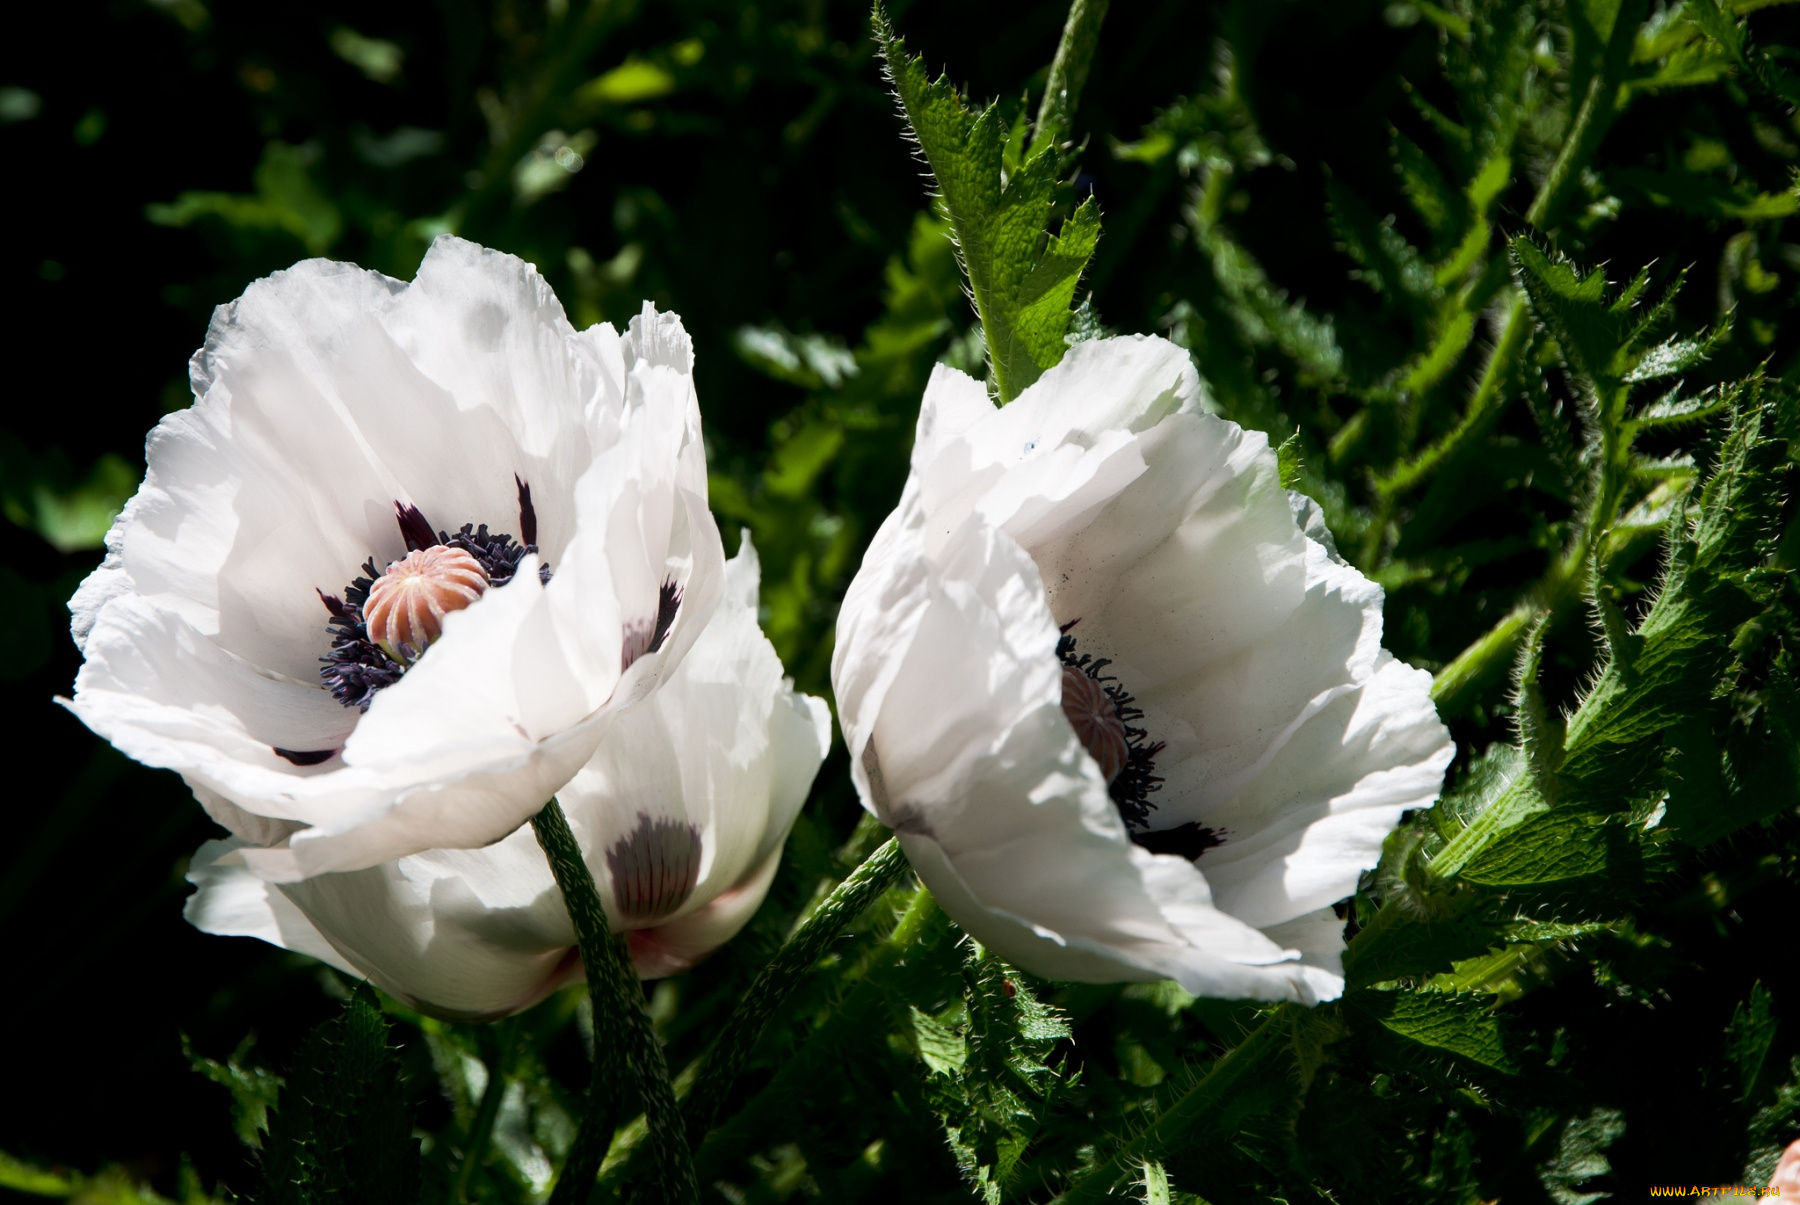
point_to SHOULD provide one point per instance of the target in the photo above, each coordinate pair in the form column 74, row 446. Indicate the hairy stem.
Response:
column 784, row 973
column 624, row 1040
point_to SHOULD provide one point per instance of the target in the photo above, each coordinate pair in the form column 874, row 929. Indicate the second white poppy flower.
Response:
column 1130, row 718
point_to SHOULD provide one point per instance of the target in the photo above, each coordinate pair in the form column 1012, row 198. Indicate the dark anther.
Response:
column 305, row 757
column 1138, row 780
column 357, row 667
column 1188, row 840
column 668, row 601
column 527, row 514
column 414, row 528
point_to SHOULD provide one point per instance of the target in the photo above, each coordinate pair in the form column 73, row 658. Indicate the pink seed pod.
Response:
column 1095, row 720
column 407, row 604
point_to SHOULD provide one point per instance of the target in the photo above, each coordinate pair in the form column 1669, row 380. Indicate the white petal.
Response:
column 326, row 394
column 668, row 949
column 466, row 934
column 726, row 750
column 232, row 902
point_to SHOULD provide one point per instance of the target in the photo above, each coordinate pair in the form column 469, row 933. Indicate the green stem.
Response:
column 1484, row 407
column 623, row 1037
column 888, row 973
column 1207, row 1106
column 1573, row 151
column 784, row 973
column 482, row 1128
column 1599, row 108
column 1069, row 70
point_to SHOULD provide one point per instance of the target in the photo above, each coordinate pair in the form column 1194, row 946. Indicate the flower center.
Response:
column 408, row 603
column 1103, row 715
column 385, row 619
column 1096, row 721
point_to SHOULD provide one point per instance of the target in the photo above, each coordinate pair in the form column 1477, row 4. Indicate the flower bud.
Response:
column 407, row 604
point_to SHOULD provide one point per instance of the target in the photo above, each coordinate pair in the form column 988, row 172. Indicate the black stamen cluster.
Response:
column 497, row 552
column 357, row 667
column 1132, row 789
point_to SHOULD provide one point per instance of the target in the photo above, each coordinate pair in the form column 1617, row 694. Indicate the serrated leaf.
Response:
column 1748, row 1040
column 1675, row 356
column 990, row 1087
column 940, row 1046
column 1022, row 279
column 1397, row 945
column 340, row 1133
column 1575, row 310
column 1673, row 410
column 253, row 1089
column 1462, row 1024
column 1547, row 848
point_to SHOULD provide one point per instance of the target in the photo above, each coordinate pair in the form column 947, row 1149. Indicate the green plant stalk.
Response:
column 1178, row 1125
column 1599, row 107
column 857, row 1016
column 622, row 1035
column 1568, row 159
column 1069, row 70
column 784, row 973
column 481, row 1129
column 1484, row 407
column 1477, row 666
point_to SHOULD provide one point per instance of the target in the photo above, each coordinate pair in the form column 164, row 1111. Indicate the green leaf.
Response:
column 286, row 200
column 20, row 1176
column 990, row 1086
column 40, row 492
column 1577, row 312
column 1287, row 457
column 1549, row 847
column 1581, row 1157
column 253, row 1089
column 1676, row 355
column 1748, row 1040
column 1023, row 279
column 631, row 82
column 1460, row 1023
column 809, row 361
column 341, row 1133
column 941, row 1046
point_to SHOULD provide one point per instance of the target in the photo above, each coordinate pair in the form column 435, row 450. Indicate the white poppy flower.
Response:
column 682, row 813
column 356, row 434
column 1130, row 721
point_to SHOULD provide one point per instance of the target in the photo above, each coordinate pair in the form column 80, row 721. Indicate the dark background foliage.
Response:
column 743, row 164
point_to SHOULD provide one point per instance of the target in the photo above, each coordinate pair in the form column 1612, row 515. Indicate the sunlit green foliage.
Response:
column 1511, row 283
